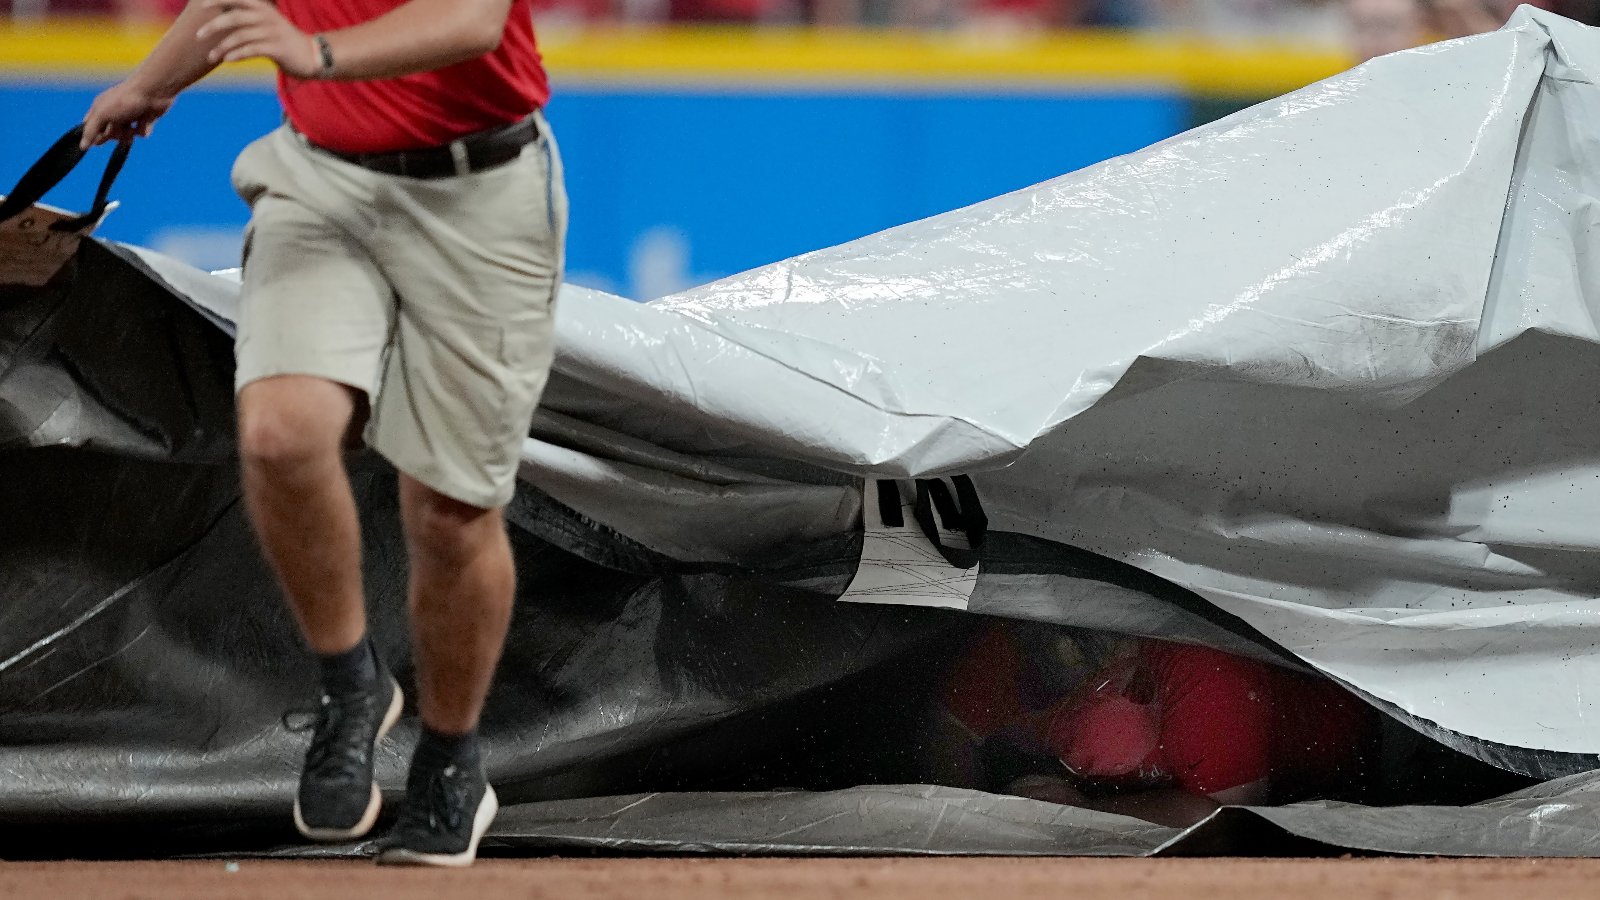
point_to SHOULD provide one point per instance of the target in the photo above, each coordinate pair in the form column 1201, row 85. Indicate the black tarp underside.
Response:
column 146, row 658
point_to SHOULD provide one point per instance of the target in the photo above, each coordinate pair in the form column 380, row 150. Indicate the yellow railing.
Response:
column 727, row 55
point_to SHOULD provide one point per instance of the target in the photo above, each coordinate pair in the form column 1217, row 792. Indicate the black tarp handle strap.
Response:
column 56, row 163
column 969, row 517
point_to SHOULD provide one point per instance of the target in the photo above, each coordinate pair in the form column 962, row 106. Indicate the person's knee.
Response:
column 286, row 423
column 443, row 527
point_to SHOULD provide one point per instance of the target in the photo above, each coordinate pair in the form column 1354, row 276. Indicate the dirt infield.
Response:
column 804, row 879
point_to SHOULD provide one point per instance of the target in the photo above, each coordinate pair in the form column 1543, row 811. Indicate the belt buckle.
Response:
column 459, row 156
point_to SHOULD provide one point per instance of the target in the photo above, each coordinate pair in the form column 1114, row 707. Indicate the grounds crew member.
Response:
column 402, row 261
column 1156, row 730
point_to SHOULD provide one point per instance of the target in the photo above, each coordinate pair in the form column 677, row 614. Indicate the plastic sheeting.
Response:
column 1311, row 384
column 1553, row 819
column 1327, row 363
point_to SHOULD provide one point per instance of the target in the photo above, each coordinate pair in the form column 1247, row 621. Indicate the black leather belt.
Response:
column 472, row 153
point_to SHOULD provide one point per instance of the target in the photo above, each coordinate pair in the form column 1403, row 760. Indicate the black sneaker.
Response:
column 446, row 813
column 338, row 800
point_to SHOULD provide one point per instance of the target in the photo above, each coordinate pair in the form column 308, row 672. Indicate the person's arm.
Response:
column 131, row 108
column 1215, row 738
column 1217, row 721
column 418, row 36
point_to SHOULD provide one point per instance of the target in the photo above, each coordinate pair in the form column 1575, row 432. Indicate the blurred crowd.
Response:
column 1368, row 27
column 1376, row 27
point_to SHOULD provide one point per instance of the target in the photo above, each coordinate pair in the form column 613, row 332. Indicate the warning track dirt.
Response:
column 803, row 879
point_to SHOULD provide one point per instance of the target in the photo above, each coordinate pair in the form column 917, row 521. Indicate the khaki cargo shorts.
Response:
column 435, row 297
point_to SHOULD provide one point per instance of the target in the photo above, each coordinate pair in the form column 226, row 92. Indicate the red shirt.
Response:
column 1174, row 715
column 426, row 109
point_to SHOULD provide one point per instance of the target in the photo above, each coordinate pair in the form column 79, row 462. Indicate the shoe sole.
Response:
column 487, row 808
column 374, row 805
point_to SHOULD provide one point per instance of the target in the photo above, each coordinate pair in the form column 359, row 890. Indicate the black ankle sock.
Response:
column 436, row 750
column 354, row 670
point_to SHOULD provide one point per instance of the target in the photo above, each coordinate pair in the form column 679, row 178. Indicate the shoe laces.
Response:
column 442, row 802
column 332, row 754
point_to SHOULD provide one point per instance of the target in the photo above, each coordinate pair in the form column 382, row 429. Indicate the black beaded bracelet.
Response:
column 326, row 52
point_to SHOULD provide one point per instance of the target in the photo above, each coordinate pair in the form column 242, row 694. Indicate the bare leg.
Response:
column 462, row 582
column 295, row 487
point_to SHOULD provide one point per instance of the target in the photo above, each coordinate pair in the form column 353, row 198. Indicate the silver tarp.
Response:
column 1328, row 363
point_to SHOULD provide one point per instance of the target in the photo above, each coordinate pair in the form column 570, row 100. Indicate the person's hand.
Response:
column 1048, row 788
column 121, row 113
column 247, row 29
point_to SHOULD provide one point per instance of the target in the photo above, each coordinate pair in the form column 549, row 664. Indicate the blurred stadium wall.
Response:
column 696, row 153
